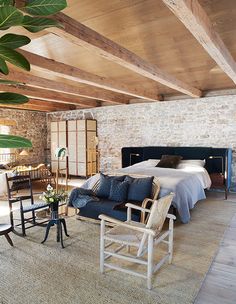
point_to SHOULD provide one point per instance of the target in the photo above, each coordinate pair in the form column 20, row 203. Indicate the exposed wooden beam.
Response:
column 47, row 95
column 39, row 105
column 63, row 70
column 80, row 34
column 198, row 23
column 60, row 86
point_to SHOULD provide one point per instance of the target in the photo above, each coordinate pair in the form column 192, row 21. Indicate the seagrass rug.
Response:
column 32, row 272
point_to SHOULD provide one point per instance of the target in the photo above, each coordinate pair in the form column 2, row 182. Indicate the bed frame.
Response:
column 218, row 160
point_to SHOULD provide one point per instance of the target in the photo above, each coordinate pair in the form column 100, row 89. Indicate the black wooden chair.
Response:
column 15, row 186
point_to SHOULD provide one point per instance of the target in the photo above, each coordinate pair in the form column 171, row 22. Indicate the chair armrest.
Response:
column 137, row 207
column 171, row 216
column 126, row 224
column 145, row 201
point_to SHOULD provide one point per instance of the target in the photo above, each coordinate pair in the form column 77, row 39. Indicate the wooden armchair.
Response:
column 140, row 235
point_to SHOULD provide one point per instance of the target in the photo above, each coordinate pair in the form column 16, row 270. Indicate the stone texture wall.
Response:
column 191, row 122
column 31, row 125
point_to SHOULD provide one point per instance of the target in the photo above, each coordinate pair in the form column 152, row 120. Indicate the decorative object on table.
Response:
column 14, row 185
column 142, row 236
column 54, row 198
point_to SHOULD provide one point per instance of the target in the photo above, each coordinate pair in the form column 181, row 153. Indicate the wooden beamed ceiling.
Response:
column 198, row 23
column 153, row 57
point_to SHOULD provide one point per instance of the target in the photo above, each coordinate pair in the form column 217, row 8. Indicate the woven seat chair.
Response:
column 140, row 235
column 15, row 185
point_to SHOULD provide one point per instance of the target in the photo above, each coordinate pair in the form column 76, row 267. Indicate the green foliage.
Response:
column 12, row 98
column 14, row 57
column 3, row 81
column 10, row 16
column 11, row 141
column 36, row 24
column 44, row 7
column 6, row 2
column 14, row 41
column 3, row 67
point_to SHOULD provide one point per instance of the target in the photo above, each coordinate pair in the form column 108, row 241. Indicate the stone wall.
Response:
column 31, row 125
column 191, row 122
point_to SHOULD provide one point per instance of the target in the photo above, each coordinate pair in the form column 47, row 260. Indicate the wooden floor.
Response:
column 219, row 286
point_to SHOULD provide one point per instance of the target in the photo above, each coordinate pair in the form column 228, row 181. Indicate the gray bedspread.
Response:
column 187, row 187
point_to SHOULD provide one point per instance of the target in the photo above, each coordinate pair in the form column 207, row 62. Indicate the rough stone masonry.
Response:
column 191, row 122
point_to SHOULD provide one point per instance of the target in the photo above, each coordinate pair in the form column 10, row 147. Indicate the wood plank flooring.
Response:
column 219, row 286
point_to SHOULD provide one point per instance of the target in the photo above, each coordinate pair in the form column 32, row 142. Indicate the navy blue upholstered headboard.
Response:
column 215, row 157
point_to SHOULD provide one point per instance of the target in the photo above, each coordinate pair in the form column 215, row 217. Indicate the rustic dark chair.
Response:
column 15, row 185
column 4, row 230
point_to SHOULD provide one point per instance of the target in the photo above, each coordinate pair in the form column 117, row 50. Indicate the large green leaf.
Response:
column 6, row 2
column 13, row 98
column 36, row 24
column 9, row 16
column 3, row 67
column 6, row 81
column 11, row 141
column 14, row 57
column 45, row 7
column 14, row 41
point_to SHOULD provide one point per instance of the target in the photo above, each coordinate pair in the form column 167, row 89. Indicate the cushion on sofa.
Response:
column 105, row 184
column 169, row 161
column 104, row 206
column 118, row 191
column 139, row 188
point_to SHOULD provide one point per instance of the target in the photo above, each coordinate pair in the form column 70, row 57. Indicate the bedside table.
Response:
column 218, row 182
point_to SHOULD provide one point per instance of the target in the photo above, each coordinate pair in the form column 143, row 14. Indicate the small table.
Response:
column 59, row 222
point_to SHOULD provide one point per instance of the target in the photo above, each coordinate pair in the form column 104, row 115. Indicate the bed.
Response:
column 187, row 182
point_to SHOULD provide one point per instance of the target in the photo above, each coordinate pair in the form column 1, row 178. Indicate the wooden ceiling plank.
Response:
column 63, row 70
column 62, row 106
column 193, row 16
column 43, row 94
column 81, row 35
column 60, row 86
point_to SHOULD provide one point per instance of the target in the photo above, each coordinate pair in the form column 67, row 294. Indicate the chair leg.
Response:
column 170, row 241
column 150, row 262
column 9, row 239
column 22, row 223
column 102, row 246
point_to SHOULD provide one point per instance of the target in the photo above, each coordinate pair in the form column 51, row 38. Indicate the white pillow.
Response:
column 191, row 162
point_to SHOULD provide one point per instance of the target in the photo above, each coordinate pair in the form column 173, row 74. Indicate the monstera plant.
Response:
column 33, row 16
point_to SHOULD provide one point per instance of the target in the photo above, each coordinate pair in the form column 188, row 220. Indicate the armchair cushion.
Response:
column 119, row 190
column 105, row 184
column 139, row 188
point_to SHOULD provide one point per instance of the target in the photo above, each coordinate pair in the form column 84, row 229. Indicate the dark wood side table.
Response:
column 218, row 182
column 59, row 222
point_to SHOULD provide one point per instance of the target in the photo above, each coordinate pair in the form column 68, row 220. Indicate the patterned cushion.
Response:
column 139, row 188
column 105, row 184
column 118, row 190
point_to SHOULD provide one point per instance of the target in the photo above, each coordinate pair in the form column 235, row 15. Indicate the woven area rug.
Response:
column 35, row 273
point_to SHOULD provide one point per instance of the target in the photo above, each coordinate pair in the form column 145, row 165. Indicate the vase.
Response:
column 54, row 210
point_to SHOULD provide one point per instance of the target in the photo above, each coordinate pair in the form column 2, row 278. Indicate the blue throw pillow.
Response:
column 105, row 184
column 139, row 188
column 119, row 191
